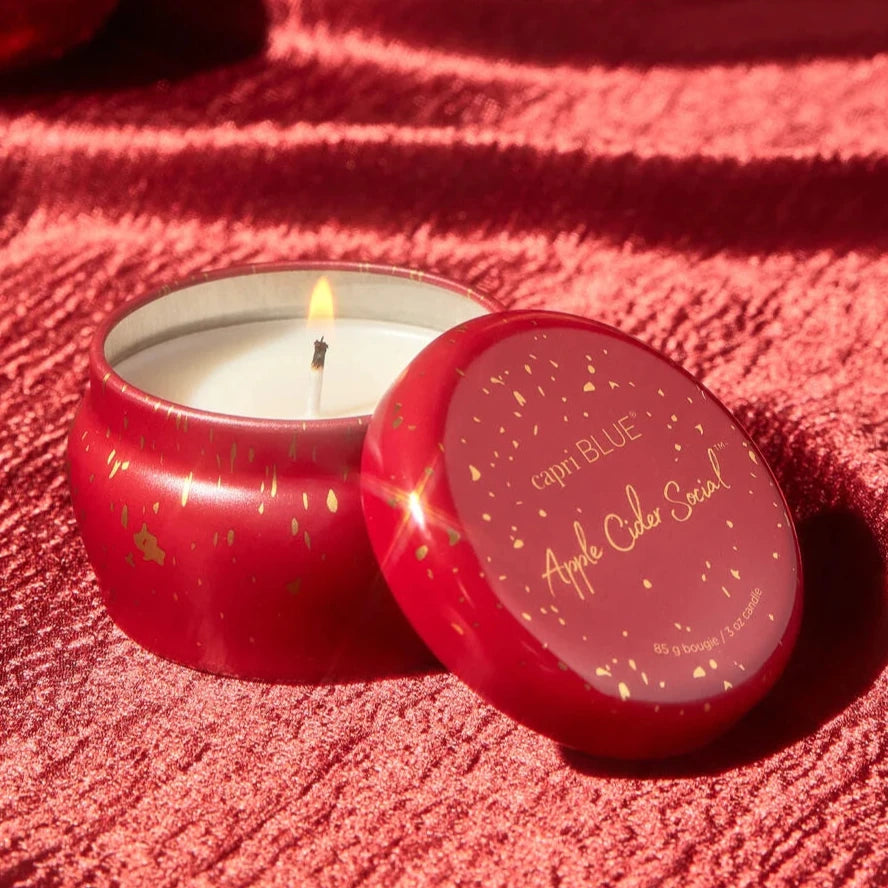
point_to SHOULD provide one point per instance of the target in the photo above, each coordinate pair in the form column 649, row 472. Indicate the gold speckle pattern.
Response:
column 421, row 552
column 332, row 501
column 147, row 544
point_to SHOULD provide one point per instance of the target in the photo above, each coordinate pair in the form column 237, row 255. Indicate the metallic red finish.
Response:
column 583, row 533
column 234, row 545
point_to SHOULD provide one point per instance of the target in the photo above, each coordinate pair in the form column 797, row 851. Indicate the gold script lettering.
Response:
column 623, row 534
column 573, row 571
column 704, row 491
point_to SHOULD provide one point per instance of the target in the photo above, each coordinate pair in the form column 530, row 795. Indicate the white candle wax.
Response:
column 262, row 368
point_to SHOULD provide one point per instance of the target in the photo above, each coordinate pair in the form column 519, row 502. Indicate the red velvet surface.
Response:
column 707, row 176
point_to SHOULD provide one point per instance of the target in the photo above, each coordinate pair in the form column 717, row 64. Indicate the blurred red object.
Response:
column 39, row 30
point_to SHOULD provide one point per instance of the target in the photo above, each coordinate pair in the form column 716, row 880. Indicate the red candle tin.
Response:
column 583, row 533
column 232, row 544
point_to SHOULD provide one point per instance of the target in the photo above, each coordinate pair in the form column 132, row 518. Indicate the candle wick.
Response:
column 320, row 354
column 316, row 378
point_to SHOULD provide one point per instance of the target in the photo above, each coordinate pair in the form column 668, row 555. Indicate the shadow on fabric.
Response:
column 143, row 42
column 579, row 32
column 693, row 203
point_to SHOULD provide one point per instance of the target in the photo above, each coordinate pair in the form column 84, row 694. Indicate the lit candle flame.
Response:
column 320, row 324
column 320, row 307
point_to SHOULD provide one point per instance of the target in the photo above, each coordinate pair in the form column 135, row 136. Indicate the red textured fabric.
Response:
column 708, row 176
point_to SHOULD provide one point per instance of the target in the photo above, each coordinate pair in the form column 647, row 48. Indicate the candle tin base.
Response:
column 583, row 533
column 238, row 545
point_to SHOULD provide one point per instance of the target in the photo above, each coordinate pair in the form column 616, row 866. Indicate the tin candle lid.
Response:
column 583, row 533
